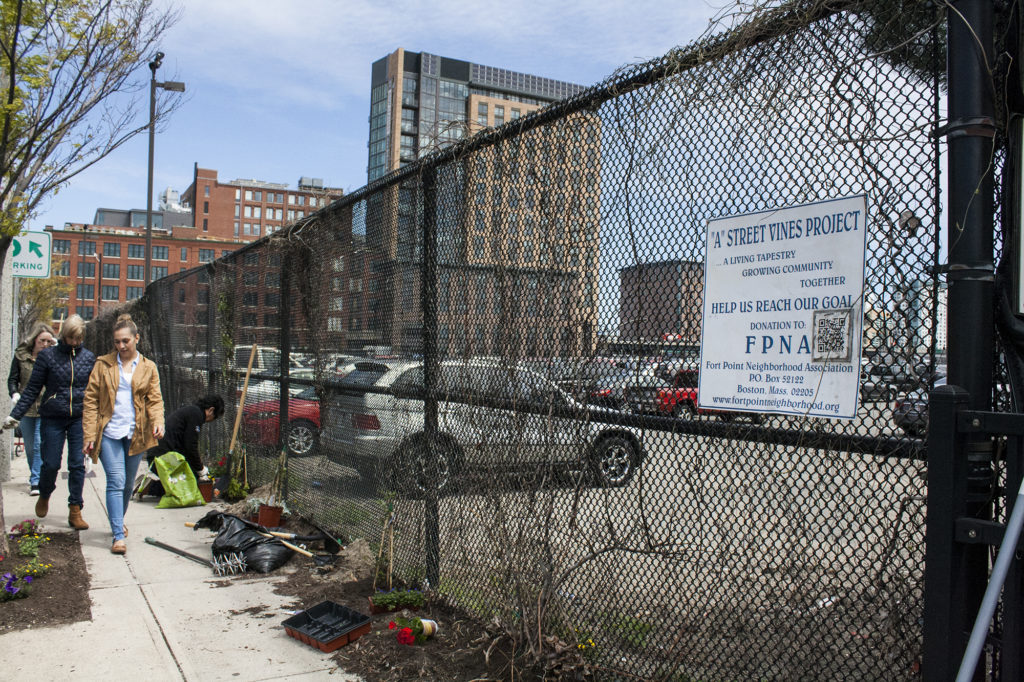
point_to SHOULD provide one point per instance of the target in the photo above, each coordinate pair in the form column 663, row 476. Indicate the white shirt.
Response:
column 122, row 424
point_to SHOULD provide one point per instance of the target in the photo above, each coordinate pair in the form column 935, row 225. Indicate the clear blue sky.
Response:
column 278, row 90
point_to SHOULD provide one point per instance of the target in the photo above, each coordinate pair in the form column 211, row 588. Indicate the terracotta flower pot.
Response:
column 206, row 490
column 269, row 517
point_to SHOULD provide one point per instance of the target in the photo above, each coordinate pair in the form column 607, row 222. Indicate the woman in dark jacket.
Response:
column 22, row 363
column 61, row 374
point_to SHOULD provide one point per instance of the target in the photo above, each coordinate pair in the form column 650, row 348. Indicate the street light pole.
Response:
column 173, row 86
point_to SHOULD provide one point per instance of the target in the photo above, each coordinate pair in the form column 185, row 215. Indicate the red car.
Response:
column 260, row 422
column 679, row 399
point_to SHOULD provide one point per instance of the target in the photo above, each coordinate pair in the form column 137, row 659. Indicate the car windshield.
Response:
column 307, row 394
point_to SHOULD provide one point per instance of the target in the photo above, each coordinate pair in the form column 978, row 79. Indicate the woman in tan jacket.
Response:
column 124, row 416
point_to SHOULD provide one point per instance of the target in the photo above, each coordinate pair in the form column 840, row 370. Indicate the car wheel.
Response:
column 414, row 470
column 302, row 438
column 615, row 461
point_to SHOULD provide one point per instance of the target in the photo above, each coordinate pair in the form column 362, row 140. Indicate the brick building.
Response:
column 105, row 259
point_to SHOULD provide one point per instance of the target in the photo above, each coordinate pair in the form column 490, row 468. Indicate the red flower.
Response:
column 392, row 625
column 405, row 636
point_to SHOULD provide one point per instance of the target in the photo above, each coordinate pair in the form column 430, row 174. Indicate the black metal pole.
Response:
column 428, row 299
column 285, row 320
column 970, row 324
column 153, row 66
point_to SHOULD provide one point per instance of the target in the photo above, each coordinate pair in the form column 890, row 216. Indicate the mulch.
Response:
column 60, row 597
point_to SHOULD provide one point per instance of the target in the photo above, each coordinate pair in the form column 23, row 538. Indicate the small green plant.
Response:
column 15, row 587
column 33, row 568
column 398, row 599
column 28, row 545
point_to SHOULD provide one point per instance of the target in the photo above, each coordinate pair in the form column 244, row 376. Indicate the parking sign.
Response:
column 31, row 255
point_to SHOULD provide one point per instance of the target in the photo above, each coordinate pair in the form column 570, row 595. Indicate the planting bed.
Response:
column 59, row 597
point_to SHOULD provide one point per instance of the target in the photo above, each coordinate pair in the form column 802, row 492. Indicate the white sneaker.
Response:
column 33, row 492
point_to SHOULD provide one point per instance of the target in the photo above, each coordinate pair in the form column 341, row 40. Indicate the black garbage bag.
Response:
column 262, row 554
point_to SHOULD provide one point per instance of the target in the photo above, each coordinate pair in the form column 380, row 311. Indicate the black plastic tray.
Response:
column 327, row 626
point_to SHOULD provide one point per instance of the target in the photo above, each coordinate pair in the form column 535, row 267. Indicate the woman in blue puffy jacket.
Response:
column 61, row 374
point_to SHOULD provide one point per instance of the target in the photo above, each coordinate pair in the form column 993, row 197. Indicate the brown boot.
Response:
column 75, row 519
column 42, row 506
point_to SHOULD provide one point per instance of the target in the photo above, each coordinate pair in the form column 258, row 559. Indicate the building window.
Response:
column 250, row 320
column 136, row 251
column 203, row 297
column 257, row 196
column 516, row 113
column 65, row 269
column 111, row 271
column 238, row 194
column 158, row 272
column 132, row 293
column 112, row 249
column 181, row 295
column 272, row 299
column 257, row 212
column 237, row 209
column 206, row 255
column 86, row 248
column 62, row 246
column 136, row 272
column 499, row 115
column 160, row 253
column 272, row 320
column 291, row 199
column 236, row 229
column 226, row 252
column 184, row 255
column 206, row 225
column 302, row 200
column 60, row 312
column 85, row 292
column 206, row 190
column 248, row 211
column 291, row 214
column 248, row 195
column 251, row 279
column 251, row 299
column 84, row 311
column 206, row 207
column 273, row 280
column 86, row 270
column 110, row 293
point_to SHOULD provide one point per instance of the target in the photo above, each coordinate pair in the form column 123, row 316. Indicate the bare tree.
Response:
column 71, row 80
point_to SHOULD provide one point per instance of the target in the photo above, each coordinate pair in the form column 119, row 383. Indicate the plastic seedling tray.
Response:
column 327, row 626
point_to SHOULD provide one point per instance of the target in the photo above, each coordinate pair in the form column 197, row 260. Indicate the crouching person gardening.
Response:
column 124, row 417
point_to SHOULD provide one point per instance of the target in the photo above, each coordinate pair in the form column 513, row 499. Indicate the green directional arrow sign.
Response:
column 31, row 255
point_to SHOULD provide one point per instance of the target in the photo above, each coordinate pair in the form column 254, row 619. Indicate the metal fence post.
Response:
column 285, row 320
column 945, row 619
column 969, row 134
column 428, row 298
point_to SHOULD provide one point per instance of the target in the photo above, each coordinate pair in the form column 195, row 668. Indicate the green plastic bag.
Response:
column 180, row 488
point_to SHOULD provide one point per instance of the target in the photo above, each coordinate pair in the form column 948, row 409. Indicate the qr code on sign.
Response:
column 832, row 335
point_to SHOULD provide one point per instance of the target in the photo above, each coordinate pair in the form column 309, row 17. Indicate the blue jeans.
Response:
column 30, row 436
column 53, row 431
column 120, row 468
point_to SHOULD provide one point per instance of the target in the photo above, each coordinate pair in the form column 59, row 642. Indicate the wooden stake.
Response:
column 238, row 417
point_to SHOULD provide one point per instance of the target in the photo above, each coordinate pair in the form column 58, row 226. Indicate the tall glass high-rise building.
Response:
column 420, row 102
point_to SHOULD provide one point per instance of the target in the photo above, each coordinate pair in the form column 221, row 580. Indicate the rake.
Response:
column 225, row 564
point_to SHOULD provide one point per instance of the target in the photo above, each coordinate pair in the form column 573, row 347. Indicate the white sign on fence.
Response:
column 783, row 314
column 31, row 255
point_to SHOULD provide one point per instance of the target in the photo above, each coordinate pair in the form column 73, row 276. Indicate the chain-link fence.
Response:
column 496, row 350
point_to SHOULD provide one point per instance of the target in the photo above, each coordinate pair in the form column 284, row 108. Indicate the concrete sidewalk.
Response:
column 155, row 615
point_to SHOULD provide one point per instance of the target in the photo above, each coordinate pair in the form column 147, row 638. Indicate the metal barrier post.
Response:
column 945, row 618
column 969, row 134
column 432, row 534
